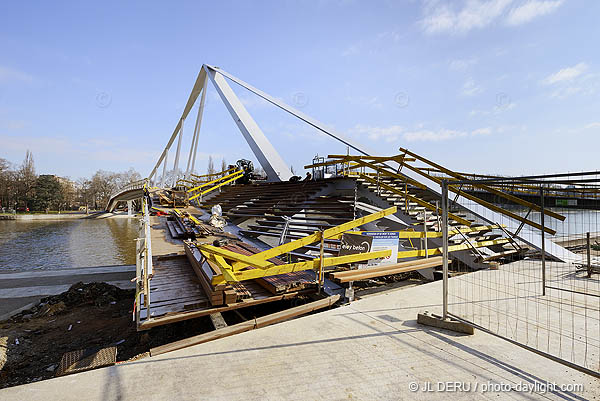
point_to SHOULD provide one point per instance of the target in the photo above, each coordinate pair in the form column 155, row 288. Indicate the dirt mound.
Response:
column 98, row 294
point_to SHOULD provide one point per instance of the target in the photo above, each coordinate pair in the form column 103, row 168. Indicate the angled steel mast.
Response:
column 268, row 157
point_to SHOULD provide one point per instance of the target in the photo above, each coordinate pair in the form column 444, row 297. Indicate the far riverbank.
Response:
column 64, row 216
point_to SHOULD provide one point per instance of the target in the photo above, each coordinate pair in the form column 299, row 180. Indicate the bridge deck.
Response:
column 175, row 290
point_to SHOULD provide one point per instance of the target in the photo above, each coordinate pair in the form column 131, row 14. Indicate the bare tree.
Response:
column 223, row 166
column 211, row 166
column 26, row 178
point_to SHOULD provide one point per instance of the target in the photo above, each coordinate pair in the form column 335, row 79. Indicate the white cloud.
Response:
column 366, row 101
column 351, row 50
column 396, row 133
column 443, row 134
column 592, row 125
column 392, row 133
column 530, row 10
column 566, row 74
column 474, row 14
column 11, row 75
column 470, row 88
column 462, row 64
column 447, row 17
column 433, row 136
column 482, row 131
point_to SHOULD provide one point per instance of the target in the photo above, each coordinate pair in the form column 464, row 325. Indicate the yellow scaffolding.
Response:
column 234, row 266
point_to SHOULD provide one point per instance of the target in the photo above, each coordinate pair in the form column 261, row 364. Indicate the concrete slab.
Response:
column 372, row 349
column 19, row 289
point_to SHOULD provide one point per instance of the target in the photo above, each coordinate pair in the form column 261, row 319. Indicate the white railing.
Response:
column 139, row 184
column 144, row 270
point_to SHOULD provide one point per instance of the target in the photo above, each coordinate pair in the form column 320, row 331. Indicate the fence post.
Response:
column 445, row 247
column 589, row 256
column 321, row 250
column 425, row 233
column 542, row 223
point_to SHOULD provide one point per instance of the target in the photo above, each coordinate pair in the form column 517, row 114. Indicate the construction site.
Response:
column 413, row 267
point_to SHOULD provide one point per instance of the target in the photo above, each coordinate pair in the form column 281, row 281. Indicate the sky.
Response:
column 497, row 86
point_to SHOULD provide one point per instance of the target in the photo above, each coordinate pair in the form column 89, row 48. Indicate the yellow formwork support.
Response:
column 263, row 268
column 307, row 265
column 329, row 233
column 261, row 259
column 485, row 187
column 416, row 200
column 181, row 213
column 489, row 205
column 431, row 234
column 239, row 259
column 214, row 181
column 451, row 248
column 214, row 174
column 233, row 176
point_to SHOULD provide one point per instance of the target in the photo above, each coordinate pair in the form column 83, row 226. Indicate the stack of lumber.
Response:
column 172, row 198
column 205, row 271
column 221, row 294
column 386, row 270
column 181, row 224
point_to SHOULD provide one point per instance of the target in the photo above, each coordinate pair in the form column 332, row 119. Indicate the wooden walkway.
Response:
column 176, row 290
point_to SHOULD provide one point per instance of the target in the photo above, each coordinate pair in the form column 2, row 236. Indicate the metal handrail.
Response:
column 144, row 266
column 130, row 186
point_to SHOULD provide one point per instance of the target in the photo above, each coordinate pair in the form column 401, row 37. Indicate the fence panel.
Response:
column 540, row 288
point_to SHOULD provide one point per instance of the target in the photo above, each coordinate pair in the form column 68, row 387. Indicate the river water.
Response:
column 39, row 244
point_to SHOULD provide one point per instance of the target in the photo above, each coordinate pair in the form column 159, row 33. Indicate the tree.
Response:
column 103, row 185
column 84, row 192
column 259, row 172
column 126, row 177
column 48, row 193
column 7, row 183
column 223, row 166
column 26, row 180
column 69, row 192
column 211, row 166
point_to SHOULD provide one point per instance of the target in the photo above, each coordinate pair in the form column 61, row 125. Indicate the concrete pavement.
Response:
column 372, row 349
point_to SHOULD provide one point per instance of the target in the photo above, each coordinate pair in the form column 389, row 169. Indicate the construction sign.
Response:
column 382, row 241
column 355, row 243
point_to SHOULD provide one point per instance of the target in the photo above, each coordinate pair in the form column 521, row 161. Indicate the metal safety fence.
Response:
column 540, row 289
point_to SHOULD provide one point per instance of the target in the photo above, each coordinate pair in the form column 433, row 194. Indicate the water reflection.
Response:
column 26, row 245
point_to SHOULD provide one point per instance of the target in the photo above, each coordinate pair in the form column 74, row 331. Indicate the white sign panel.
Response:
column 382, row 241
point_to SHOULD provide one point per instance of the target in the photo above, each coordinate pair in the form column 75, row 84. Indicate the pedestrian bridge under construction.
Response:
column 234, row 239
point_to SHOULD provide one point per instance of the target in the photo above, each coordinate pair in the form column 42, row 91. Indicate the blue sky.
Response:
column 497, row 86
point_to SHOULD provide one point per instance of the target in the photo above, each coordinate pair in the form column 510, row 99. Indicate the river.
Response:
column 39, row 244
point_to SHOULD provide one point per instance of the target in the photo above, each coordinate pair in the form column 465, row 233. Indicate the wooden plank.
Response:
column 215, row 297
column 246, row 326
column 437, row 259
column 230, row 296
column 207, row 311
column 365, row 273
